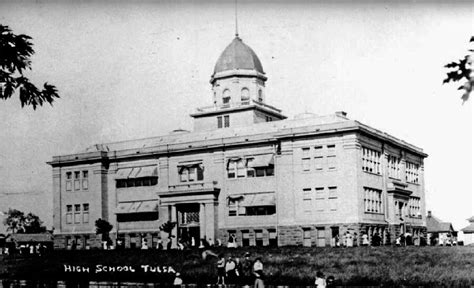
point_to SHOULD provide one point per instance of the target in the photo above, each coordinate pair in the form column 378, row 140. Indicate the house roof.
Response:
column 468, row 229
column 433, row 224
column 43, row 237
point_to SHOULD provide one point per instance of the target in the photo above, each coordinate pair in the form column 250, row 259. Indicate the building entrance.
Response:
column 188, row 224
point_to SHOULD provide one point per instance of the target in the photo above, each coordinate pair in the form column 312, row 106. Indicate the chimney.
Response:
column 429, row 213
column 341, row 114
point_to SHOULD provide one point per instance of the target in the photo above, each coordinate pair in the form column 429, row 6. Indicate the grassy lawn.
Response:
column 394, row 266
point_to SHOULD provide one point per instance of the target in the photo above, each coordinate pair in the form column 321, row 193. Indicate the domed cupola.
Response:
column 238, row 91
column 238, row 59
column 238, row 56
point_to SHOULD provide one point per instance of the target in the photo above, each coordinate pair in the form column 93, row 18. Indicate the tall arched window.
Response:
column 245, row 94
column 226, row 97
column 260, row 95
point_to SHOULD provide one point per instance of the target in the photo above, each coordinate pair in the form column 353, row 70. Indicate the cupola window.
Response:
column 226, row 97
column 245, row 95
column 260, row 96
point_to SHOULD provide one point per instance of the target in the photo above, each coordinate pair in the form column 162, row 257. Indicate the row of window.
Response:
column 256, row 237
column 244, row 96
column 246, row 167
column 319, row 200
column 223, row 121
column 191, row 173
column 414, row 207
column 137, row 182
column 372, row 200
column 80, row 214
column 371, row 161
column 324, row 156
column 80, row 181
column 411, row 172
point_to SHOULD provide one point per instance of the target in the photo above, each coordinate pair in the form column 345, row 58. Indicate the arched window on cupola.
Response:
column 260, row 95
column 245, row 95
column 226, row 97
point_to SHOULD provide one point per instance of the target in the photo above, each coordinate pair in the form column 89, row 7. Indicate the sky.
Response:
column 135, row 70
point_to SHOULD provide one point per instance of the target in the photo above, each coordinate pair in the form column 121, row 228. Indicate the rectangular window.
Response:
column 77, row 214
column 85, row 180
column 307, row 202
column 318, row 163
column 250, row 169
column 393, row 164
column 331, row 149
column 219, row 122
column 77, row 174
column 68, row 185
column 371, row 161
column 258, row 238
column 372, row 200
column 272, row 238
column 306, row 160
column 226, row 121
column 412, row 172
column 320, row 203
column 191, row 173
column 333, row 204
column 85, row 213
column 414, row 207
column 77, row 183
column 241, row 170
column 68, row 214
column 245, row 238
column 307, row 237
column 331, row 162
column 68, row 175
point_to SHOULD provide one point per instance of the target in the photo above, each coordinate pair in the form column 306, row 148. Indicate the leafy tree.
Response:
column 168, row 228
column 17, row 222
column 15, row 53
column 103, row 227
column 462, row 71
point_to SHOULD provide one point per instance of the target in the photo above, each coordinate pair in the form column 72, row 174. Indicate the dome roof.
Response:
column 238, row 56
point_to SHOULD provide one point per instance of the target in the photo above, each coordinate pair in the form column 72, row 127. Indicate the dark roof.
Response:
column 434, row 224
column 43, row 237
column 468, row 229
column 238, row 56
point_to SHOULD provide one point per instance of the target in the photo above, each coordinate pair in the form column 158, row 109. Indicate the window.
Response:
column 77, row 183
column 260, row 95
column 85, row 213
column 254, row 204
column 320, row 203
column 332, row 197
column 256, row 166
column 258, row 238
column 245, row 96
column 318, row 163
column 219, row 121
column 371, row 161
column 272, row 238
column 372, row 200
column 68, row 181
column 412, row 171
column 85, row 180
column 77, row 213
column 68, row 214
column 245, row 238
column 307, row 204
column 306, row 160
column 393, row 167
column 268, row 119
column 140, row 216
column 414, row 207
column 307, row 237
column 226, row 121
column 191, row 173
column 331, row 162
column 226, row 97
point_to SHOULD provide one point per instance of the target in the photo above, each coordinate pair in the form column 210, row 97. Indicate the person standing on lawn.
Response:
column 258, row 273
column 365, row 239
column 230, row 270
column 320, row 282
column 221, row 270
column 247, row 270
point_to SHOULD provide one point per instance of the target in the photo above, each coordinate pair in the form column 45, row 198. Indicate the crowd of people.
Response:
column 243, row 272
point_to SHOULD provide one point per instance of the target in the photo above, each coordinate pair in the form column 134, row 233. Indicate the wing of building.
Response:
column 245, row 171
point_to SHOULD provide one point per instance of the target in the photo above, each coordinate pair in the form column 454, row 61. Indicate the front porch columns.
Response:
column 202, row 220
column 174, row 232
column 211, row 224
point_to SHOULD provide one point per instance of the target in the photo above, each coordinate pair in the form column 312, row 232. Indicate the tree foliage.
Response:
column 461, row 71
column 168, row 227
column 103, row 227
column 15, row 53
column 17, row 222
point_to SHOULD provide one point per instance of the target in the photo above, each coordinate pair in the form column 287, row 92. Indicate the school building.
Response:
column 244, row 169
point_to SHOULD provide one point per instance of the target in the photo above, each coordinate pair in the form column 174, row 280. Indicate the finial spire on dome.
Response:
column 236, row 21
